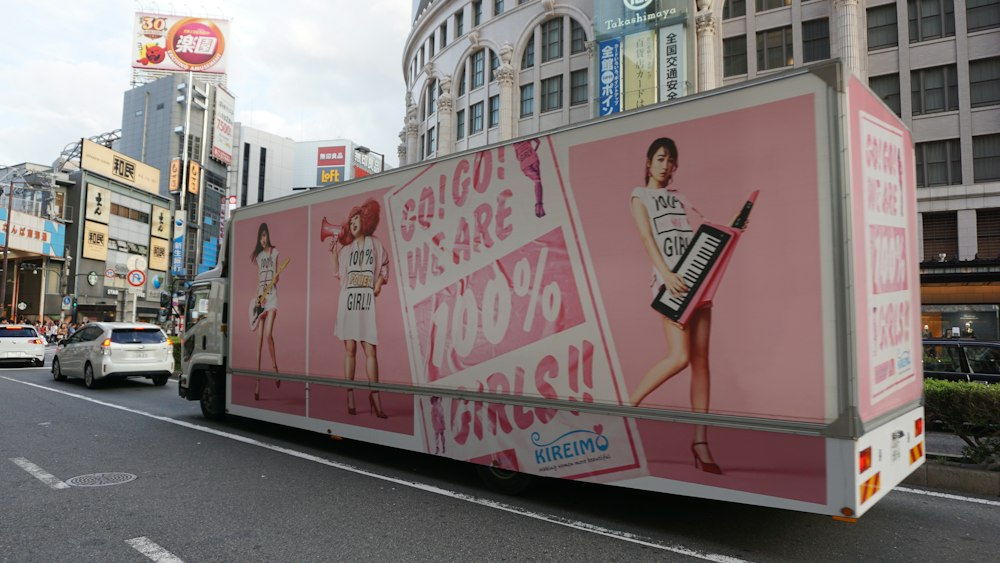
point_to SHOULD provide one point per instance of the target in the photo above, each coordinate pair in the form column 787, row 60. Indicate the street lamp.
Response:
column 365, row 150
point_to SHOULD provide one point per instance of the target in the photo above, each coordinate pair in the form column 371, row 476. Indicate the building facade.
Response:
column 484, row 71
column 170, row 124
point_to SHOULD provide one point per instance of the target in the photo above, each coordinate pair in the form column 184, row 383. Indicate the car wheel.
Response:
column 503, row 481
column 160, row 379
column 57, row 373
column 88, row 376
column 213, row 398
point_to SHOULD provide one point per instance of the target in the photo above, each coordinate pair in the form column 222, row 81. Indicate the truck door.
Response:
column 195, row 321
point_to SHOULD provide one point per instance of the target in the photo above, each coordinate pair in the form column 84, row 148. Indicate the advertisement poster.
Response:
column 887, row 259
column 95, row 241
column 178, row 43
column 222, row 128
column 98, row 204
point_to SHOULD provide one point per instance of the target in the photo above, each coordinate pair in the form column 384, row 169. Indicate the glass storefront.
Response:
column 961, row 321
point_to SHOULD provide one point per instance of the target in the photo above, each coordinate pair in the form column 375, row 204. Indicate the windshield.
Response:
column 138, row 336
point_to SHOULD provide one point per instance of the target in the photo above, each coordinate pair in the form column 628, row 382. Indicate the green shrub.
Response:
column 971, row 411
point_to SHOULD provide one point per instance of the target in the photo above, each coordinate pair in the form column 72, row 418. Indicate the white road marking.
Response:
column 150, row 549
column 39, row 473
column 948, row 496
column 552, row 519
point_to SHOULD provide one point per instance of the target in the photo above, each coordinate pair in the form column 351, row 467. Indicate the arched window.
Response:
column 431, row 98
column 478, row 69
column 528, row 57
column 494, row 65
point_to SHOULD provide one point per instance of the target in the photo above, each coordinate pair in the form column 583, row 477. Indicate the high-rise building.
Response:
column 485, row 71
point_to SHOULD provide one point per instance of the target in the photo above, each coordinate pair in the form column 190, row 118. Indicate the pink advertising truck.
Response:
column 715, row 297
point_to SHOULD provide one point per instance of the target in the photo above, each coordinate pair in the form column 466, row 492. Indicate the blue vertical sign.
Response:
column 177, row 260
column 609, row 73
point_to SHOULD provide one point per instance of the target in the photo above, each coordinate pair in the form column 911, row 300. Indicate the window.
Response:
column 882, row 30
column 477, row 118
column 478, row 68
column 139, row 335
column 459, row 25
column 931, row 19
column 734, row 9
column 497, row 7
column 431, row 141
column 815, row 40
column 934, row 89
column 552, row 33
column 578, row 87
column 774, row 48
column 261, row 174
column 431, row 98
column 461, row 82
column 988, row 228
column 940, row 235
column 986, row 158
column 527, row 100
column 443, row 38
column 764, row 5
column 420, row 57
column 460, row 124
column 734, row 56
column 984, row 82
column 578, row 38
column 494, row 65
column 552, row 93
column 887, row 88
column 528, row 58
column 477, row 13
column 422, row 145
column 939, row 163
column 430, row 47
column 982, row 14
column 245, row 180
column 494, row 111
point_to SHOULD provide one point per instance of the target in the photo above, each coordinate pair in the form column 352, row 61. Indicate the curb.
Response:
column 946, row 475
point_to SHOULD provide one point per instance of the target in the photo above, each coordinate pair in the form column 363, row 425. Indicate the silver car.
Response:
column 101, row 350
column 21, row 343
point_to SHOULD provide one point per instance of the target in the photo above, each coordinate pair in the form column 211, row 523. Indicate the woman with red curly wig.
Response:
column 360, row 262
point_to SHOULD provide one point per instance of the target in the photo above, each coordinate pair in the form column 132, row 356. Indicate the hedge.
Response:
column 971, row 411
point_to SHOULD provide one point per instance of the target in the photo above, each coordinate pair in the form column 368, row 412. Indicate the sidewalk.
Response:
column 940, row 472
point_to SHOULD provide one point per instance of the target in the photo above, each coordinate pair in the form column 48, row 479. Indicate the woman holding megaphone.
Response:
column 361, row 264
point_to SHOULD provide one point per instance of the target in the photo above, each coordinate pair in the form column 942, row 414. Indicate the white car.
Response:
column 101, row 350
column 21, row 343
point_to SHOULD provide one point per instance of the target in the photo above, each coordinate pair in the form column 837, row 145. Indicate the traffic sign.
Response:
column 136, row 278
column 109, row 273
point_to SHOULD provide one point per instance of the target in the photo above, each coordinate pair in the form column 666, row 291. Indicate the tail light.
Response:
column 864, row 460
column 106, row 347
column 37, row 341
column 918, row 427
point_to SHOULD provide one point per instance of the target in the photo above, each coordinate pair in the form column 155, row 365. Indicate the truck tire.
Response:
column 213, row 398
column 504, row 481
column 88, row 377
column 57, row 373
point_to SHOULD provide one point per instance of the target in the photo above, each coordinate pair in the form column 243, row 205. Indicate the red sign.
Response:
column 330, row 156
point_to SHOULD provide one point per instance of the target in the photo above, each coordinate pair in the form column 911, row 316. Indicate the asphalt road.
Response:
column 247, row 491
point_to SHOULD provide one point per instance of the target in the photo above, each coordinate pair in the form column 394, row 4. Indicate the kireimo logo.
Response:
column 636, row 5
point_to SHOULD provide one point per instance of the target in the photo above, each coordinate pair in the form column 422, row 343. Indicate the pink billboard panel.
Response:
column 886, row 262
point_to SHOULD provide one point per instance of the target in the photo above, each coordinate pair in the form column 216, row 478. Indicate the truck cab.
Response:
column 204, row 343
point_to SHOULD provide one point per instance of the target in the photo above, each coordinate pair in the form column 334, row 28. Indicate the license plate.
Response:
column 140, row 355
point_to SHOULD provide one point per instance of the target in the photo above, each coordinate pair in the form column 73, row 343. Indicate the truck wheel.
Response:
column 504, row 481
column 213, row 398
column 88, row 376
column 57, row 373
column 159, row 380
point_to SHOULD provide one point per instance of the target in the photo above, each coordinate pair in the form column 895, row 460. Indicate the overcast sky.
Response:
column 309, row 70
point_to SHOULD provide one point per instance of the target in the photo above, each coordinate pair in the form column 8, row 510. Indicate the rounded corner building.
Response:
column 478, row 72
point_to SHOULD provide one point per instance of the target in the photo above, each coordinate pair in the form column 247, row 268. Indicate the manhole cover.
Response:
column 101, row 479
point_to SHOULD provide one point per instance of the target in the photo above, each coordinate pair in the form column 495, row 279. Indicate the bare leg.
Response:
column 260, row 348
column 676, row 360
column 269, row 333
column 350, row 349
column 371, row 369
column 700, row 327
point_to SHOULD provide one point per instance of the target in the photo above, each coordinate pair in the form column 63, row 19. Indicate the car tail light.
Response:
column 37, row 341
column 106, row 347
column 864, row 460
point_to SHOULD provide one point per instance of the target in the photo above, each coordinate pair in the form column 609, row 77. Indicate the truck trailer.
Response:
column 716, row 296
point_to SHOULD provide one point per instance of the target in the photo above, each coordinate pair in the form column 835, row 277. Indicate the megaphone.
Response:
column 327, row 230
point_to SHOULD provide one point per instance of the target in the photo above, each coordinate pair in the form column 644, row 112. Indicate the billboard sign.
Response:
column 116, row 166
column 95, row 241
column 639, row 70
column 98, row 204
column 331, row 164
column 33, row 233
column 673, row 70
column 178, row 43
column 159, row 225
column 610, row 75
column 177, row 257
column 222, row 127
